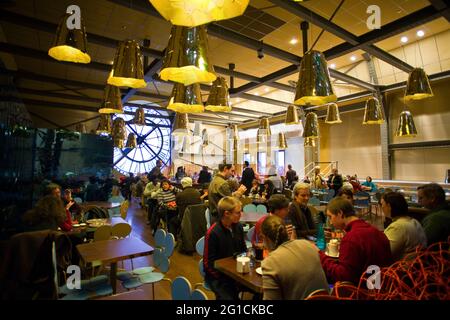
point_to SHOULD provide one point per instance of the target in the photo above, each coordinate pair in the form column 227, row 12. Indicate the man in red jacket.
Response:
column 363, row 245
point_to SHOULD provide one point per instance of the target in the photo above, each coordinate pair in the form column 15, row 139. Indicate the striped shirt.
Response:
column 164, row 197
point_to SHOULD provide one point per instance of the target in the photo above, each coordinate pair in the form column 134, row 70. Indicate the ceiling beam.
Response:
column 442, row 6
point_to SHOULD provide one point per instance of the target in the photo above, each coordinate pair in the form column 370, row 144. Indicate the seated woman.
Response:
column 292, row 270
column 166, row 198
column 404, row 233
column 368, row 185
column 254, row 191
column 116, row 196
column 48, row 213
column 269, row 189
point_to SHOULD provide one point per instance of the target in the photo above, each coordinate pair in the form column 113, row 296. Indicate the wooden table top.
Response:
column 251, row 217
column 251, row 280
column 101, row 204
column 109, row 251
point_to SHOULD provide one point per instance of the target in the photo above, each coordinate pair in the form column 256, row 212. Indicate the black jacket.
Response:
column 337, row 182
column 204, row 177
column 302, row 219
column 187, row 197
column 248, row 175
column 221, row 243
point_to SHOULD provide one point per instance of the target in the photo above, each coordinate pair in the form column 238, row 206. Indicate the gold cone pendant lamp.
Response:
column 186, row 60
column 112, row 102
column 219, row 98
column 193, row 13
column 418, row 86
column 264, row 127
column 373, row 113
column 118, row 130
column 311, row 129
column 282, row 144
column 70, row 44
column 139, row 117
column 186, row 99
column 309, row 142
column 131, row 141
column 314, row 85
column 333, row 114
column 291, row 115
column 406, row 126
column 181, row 125
column 128, row 67
column 104, row 124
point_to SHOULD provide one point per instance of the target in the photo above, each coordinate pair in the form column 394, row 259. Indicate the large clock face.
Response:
column 153, row 142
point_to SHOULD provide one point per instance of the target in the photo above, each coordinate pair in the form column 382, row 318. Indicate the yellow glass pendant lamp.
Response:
column 333, row 114
column 310, row 142
column 181, row 125
column 112, row 102
column 311, row 129
column 314, row 85
column 104, row 124
column 70, row 44
column 282, row 143
column 139, row 117
column 186, row 99
column 418, row 86
column 406, row 126
column 186, row 59
column 128, row 68
column 191, row 13
column 264, row 128
column 131, row 141
column 118, row 130
column 373, row 113
column 291, row 115
column 219, row 98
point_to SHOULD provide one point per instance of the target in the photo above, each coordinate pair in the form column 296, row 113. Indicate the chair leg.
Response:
column 153, row 291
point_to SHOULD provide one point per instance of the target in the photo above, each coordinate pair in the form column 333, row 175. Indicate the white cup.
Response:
column 243, row 264
column 333, row 247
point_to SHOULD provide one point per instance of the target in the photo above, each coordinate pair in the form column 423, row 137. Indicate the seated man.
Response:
column 300, row 213
column 437, row 223
column 225, row 238
column 363, row 245
column 187, row 197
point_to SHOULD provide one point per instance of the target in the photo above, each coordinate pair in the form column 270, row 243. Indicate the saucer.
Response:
column 259, row 271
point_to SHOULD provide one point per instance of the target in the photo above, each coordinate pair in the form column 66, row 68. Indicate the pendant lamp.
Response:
column 219, row 98
column 181, row 125
column 310, row 142
column 139, row 117
column 70, row 44
column 333, row 114
column 282, row 144
column 291, row 115
column 104, row 124
column 264, row 127
column 373, row 113
column 186, row 58
column 192, row 13
column 406, row 126
column 186, row 99
column 128, row 67
column 131, row 141
column 112, row 102
column 118, row 130
column 314, row 85
column 311, row 129
column 418, row 86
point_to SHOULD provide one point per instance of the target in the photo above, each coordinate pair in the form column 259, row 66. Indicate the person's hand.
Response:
column 291, row 232
column 242, row 189
column 69, row 204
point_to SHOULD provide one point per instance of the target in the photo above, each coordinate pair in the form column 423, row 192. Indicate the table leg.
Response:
column 112, row 276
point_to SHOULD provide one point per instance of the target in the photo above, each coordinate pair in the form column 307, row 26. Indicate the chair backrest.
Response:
column 160, row 238
column 250, row 233
column 321, row 294
column 314, row 201
column 260, row 208
column 207, row 218
column 181, row 289
column 331, row 192
column 200, row 246
column 102, row 233
column 160, row 260
column 344, row 290
column 201, row 268
column 124, row 209
column 197, row 294
column 121, row 230
column 169, row 245
column 249, row 208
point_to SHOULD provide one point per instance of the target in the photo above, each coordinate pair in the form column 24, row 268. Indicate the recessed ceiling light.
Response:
column 256, row 94
column 420, row 33
column 333, row 66
column 266, row 89
column 293, row 41
column 353, row 58
column 404, row 39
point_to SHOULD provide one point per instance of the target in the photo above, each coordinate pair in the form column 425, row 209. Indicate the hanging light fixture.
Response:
column 219, row 98
column 418, row 86
column 180, row 125
column 131, row 141
column 314, row 85
column 186, row 59
column 264, row 127
column 112, row 102
column 104, row 124
column 128, row 67
column 282, row 143
column 191, row 13
column 373, row 113
column 139, row 117
column 197, row 129
column 186, row 99
column 311, row 126
column 81, row 128
column 70, row 44
column 118, row 132
column 333, row 114
column 309, row 142
column 406, row 126
column 291, row 115
column 205, row 138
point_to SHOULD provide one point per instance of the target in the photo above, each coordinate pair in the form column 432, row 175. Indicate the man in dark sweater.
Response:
column 362, row 246
column 335, row 181
column 290, row 175
column 225, row 238
column 187, row 197
column 248, row 175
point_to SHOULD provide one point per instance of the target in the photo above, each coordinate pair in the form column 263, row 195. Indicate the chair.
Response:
column 201, row 269
column 115, row 212
column 314, row 201
column 328, row 196
column 344, row 290
column 250, row 233
column 160, row 238
column 169, row 245
column 362, row 201
column 260, row 208
column 121, row 230
column 249, row 208
column 181, row 288
column 102, row 233
column 124, row 209
column 200, row 246
column 198, row 295
column 320, row 294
